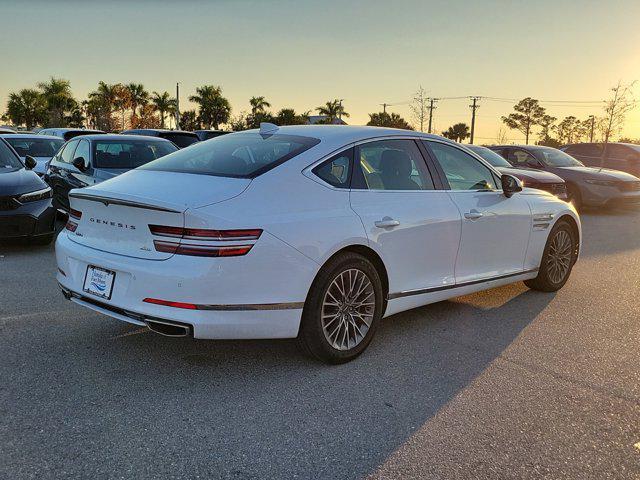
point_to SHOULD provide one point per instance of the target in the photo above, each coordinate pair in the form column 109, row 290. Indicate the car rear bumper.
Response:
column 32, row 219
column 259, row 295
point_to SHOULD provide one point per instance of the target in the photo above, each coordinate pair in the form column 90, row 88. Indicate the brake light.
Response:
column 201, row 250
column 167, row 303
column 205, row 234
column 77, row 214
column 71, row 226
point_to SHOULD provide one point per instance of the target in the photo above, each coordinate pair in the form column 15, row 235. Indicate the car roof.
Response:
column 159, row 130
column 348, row 133
column 65, row 130
column 115, row 136
column 30, row 135
column 524, row 147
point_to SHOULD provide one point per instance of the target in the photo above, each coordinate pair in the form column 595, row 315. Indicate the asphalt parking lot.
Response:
column 508, row 383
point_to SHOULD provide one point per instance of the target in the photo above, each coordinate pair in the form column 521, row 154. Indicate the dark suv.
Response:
column 619, row 156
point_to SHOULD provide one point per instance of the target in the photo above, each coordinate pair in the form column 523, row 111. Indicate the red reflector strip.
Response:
column 77, row 214
column 206, row 234
column 71, row 226
column 201, row 250
column 167, row 303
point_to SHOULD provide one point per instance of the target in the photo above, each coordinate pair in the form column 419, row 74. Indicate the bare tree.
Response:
column 615, row 112
column 501, row 136
column 419, row 107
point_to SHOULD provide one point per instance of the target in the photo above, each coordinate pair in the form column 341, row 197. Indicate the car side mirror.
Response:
column 30, row 162
column 510, row 185
column 78, row 162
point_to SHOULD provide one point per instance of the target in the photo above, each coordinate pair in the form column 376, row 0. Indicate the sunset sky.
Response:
column 302, row 53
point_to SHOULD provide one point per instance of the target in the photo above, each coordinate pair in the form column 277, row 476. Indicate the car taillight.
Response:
column 77, row 214
column 205, row 234
column 71, row 226
column 167, row 303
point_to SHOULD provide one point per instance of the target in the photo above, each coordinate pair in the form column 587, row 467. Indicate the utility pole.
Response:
column 340, row 111
column 593, row 121
column 432, row 107
column 473, row 107
column 177, row 105
column 384, row 107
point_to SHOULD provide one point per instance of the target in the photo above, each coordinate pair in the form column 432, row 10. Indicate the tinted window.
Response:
column 489, row 155
column 586, row 149
column 393, row 165
column 556, row 158
column 66, row 155
column 83, row 151
column 8, row 160
column 337, row 170
column 36, row 147
column 521, row 158
column 129, row 154
column 180, row 139
column 239, row 155
column 463, row 172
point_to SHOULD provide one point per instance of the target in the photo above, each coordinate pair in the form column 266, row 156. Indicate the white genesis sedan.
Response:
column 314, row 232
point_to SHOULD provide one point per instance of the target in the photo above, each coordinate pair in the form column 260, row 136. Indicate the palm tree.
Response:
column 103, row 101
column 288, row 116
column 26, row 107
column 332, row 110
column 58, row 98
column 214, row 109
column 138, row 96
column 258, row 105
column 123, row 101
column 163, row 104
column 457, row 132
column 392, row 120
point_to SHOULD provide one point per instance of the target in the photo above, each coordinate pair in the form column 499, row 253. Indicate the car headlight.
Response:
column 37, row 195
column 602, row 183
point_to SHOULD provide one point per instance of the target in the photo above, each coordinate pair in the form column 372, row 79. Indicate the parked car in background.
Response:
column 588, row 186
column 179, row 137
column 531, row 177
column 619, row 156
column 26, row 211
column 92, row 159
column 208, row 134
column 41, row 147
column 356, row 223
column 67, row 133
column 6, row 131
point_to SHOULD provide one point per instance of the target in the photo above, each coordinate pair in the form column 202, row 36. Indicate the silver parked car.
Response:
column 67, row 133
column 41, row 147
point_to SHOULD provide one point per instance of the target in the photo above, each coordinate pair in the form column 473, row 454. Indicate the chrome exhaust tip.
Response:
column 169, row 329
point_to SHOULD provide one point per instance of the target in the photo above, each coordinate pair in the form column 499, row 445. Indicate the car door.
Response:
column 58, row 175
column 495, row 229
column 412, row 225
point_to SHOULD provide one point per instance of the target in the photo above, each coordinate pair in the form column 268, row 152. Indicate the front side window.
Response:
column 8, row 160
column 128, row 154
column 463, row 172
column 337, row 170
column 393, row 165
column 36, row 147
column 66, row 155
column 238, row 155
column 83, row 151
column 489, row 155
column 521, row 158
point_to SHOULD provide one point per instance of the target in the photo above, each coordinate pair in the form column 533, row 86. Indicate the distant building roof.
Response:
column 319, row 119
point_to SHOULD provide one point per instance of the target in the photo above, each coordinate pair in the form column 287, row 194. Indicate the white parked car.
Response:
column 315, row 232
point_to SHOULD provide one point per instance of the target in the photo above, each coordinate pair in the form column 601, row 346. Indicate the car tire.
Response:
column 574, row 196
column 559, row 256
column 342, row 310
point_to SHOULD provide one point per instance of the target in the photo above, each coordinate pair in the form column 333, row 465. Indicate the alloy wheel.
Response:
column 348, row 309
column 559, row 256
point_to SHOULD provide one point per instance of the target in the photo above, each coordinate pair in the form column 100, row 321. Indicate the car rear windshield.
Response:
column 36, row 147
column 77, row 133
column 8, row 159
column 180, row 139
column 239, row 155
column 128, row 154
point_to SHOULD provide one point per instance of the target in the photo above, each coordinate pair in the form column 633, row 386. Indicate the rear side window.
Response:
column 238, row 155
column 36, row 147
column 180, row 139
column 337, row 170
column 128, row 154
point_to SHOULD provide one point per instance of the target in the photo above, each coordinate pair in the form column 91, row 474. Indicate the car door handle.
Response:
column 473, row 215
column 387, row 222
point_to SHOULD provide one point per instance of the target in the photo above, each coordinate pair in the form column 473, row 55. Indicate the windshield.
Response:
column 239, row 155
column 36, row 147
column 490, row 156
column 8, row 159
column 556, row 158
column 180, row 139
column 128, row 154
